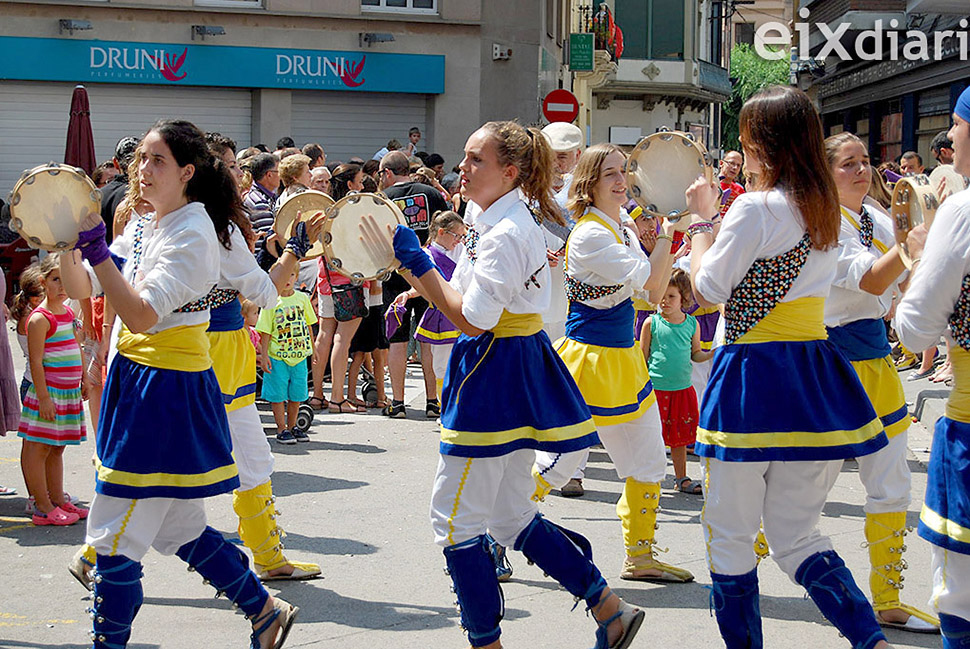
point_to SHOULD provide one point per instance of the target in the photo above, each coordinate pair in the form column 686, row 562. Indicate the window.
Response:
column 652, row 29
column 744, row 33
column 408, row 6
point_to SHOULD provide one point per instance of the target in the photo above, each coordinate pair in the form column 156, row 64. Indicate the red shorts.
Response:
column 678, row 416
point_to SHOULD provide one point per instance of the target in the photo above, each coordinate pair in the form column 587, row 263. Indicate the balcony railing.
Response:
column 599, row 22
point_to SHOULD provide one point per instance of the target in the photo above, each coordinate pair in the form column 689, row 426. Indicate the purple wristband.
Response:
column 93, row 247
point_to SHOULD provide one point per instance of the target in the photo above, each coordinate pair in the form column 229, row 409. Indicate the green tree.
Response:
column 749, row 74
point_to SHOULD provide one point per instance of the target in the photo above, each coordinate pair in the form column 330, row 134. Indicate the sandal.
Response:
column 321, row 403
column 380, row 403
column 71, row 508
column 56, row 516
column 337, row 407
column 7, row 491
column 630, row 618
column 692, row 487
column 284, row 613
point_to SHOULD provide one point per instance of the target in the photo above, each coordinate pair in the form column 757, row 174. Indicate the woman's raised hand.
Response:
column 702, row 198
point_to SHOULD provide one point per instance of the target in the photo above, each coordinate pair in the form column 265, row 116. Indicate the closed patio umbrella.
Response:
column 79, row 151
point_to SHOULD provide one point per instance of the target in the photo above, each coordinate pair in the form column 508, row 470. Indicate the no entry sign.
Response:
column 560, row 106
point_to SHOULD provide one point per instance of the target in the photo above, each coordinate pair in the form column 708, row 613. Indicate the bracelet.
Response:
column 665, row 236
column 700, row 226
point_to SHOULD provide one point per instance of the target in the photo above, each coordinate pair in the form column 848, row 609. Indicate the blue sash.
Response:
column 611, row 327
column 861, row 340
column 227, row 317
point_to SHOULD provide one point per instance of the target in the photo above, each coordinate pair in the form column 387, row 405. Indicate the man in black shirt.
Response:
column 114, row 192
column 420, row 203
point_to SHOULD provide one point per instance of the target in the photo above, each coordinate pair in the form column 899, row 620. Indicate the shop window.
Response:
column 652, row 29
column 409, row 6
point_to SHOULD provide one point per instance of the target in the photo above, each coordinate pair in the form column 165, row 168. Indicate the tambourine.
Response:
column 307, row 202
column 946, row 174
column 342, row 240
column 49, row 203
column 661, row 168
column 914, row 202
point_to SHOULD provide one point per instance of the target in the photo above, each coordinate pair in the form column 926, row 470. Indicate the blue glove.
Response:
column 299, row 243
column 408, row 251
column 93, row 247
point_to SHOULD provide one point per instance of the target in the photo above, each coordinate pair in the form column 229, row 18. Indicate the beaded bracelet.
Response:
column 700, row 226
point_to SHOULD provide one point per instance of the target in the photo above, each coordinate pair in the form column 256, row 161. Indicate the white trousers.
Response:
column 439, row 359
column 636, row 448
column 472, row 495
column 787, row 496
column 951, row 582
column 250, row 448
column 885, row 475
column 128, row 527
column 699, row 375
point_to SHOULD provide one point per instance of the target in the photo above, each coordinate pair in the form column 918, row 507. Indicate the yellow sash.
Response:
column 880, row 246
column 958, row 405
column 517, row 324
column 798, row 320
column 183, row 348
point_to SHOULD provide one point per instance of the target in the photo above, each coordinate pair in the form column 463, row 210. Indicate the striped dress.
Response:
column 62, row 369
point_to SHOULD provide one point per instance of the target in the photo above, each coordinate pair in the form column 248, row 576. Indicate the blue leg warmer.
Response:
column 830, row 585
column 565, row 556
column 956, row 631
column 225, row 566
column 738, row 611
column 117, row 598
column 479, row 595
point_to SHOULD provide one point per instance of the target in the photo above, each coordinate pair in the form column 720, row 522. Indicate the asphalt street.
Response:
column 355, row 499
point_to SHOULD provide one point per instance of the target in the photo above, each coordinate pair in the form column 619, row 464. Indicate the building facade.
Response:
column 348, row 74
column 671, row 73
column 901, row 99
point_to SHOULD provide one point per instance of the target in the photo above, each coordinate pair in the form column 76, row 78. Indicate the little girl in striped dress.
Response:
column 53, row 413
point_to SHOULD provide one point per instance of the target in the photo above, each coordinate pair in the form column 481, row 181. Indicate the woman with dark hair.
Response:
column 158, row 461
column 869, row 273
column 783, row 407
column 484, row 472
column 334, row 338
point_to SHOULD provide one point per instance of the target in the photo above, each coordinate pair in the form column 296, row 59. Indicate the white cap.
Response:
column 563, row 136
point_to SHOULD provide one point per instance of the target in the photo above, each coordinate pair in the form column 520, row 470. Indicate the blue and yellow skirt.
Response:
column 506, row 390
column 945, row 518
column 775, row 399
column 614, row 381
column 163, row 431
column 608, row 366
column 234, row 362
column 865, row 344
column 880, row 379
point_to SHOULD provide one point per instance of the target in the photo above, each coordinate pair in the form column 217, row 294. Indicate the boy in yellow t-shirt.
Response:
column 284, row 346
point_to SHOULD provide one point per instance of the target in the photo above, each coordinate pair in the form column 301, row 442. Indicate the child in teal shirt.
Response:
column 670, row 340
column 286, row 343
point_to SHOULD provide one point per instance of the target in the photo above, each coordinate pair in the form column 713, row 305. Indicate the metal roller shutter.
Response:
column 34, row 116
column 351, row 124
